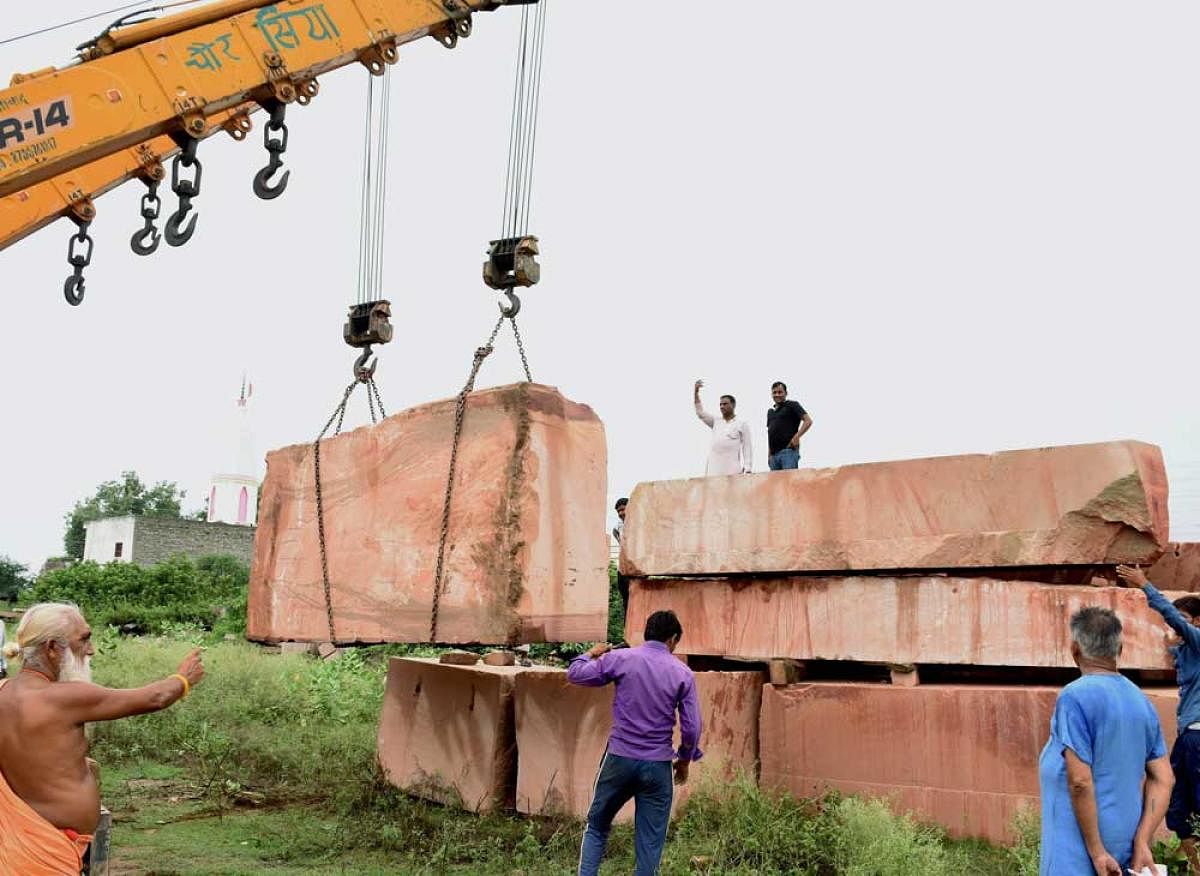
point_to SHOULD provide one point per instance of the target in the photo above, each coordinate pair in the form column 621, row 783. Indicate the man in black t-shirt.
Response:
column 787, row 422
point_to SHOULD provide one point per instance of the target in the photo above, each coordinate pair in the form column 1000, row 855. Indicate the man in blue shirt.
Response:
column 652, row 686
column 1182, row 616
column 1097, row 816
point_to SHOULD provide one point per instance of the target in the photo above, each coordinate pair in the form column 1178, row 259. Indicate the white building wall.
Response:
column 103, row 536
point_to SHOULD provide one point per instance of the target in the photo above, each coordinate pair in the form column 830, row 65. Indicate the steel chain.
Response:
column 338, row 414
column 521, row 347
column 460, row 412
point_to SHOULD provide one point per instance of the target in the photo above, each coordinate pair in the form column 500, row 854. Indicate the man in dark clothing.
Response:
column 787, row 422
column 618, row 531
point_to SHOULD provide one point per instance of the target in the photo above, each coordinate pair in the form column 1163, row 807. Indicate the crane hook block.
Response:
column 512, row 261
column 368, row 324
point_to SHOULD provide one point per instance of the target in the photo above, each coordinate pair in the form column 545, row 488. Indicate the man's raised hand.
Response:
column 1132, row 576
column 598, row 650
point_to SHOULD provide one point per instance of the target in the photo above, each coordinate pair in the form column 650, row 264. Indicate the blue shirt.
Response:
column 1187, row 656
column 651, row 686
column 1111, row 726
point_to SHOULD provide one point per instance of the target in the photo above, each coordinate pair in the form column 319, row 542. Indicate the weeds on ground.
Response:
column 295, row 739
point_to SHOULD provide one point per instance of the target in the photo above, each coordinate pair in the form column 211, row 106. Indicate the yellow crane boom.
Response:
column 142, row 91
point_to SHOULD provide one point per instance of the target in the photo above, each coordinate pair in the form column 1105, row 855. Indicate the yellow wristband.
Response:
column 187, row 688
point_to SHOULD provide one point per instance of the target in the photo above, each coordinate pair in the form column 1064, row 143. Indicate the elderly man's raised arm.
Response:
column 85, row 702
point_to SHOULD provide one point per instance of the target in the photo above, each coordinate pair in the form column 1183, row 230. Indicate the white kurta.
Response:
column 731, row 452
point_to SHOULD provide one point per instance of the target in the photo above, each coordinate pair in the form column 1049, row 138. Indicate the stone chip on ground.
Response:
column 1087, row 504
column 526, row 559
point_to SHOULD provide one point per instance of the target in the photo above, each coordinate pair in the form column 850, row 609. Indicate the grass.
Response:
column 270, row 767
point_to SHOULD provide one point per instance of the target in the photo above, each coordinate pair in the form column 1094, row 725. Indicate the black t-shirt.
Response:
column 783, row 423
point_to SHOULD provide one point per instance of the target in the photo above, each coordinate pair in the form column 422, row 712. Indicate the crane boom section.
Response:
column 57, row 120
column 28, row 210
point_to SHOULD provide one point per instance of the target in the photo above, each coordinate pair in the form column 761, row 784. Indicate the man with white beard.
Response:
column 49, row 798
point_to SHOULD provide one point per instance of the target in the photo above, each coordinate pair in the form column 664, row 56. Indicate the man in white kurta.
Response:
column 730, row 452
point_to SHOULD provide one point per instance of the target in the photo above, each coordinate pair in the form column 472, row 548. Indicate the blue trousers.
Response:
column 788, row 458
column 649, row 784
column 1185, row 796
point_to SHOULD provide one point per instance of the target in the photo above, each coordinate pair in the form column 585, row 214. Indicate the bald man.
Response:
column 49, row 798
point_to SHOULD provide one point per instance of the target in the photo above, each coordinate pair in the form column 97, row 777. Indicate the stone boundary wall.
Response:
column 156, row 539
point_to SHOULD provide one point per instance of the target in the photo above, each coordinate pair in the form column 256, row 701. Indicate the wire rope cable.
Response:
column 522, row 137
column 94, row 16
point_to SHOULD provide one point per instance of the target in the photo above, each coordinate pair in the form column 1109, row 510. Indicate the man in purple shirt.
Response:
column 651, row 686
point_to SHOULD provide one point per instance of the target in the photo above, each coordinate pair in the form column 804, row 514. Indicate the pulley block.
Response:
column 368, row 324
column 512, row 261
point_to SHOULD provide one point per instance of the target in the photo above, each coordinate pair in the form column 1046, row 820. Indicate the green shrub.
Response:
column 209, row 592
column 872, row 841
column 283, row 726
column 616, row 617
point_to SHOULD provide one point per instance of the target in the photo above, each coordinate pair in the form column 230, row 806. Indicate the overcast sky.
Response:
column 950, row 227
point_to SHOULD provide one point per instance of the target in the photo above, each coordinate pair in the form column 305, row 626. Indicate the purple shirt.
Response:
column 651, row 685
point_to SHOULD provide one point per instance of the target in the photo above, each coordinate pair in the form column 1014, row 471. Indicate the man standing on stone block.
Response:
column 1182, row 616
column 731, row 452
column 652, row 686
column 1097, row 816
column 618, row 532
column 787, row 422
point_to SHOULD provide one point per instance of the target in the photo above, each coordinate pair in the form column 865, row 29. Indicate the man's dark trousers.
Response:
column 649, row 784
column 1185, row 796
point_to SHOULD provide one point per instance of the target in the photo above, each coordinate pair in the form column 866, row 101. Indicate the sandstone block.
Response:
column 500, row 658
column 446, row 733
column 914, row 620
column 1178, row 568
column 562, row 733
column 526, row 558
column 963, row 757
column 1084, row 504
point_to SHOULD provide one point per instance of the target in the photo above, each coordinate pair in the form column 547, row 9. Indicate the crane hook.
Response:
column 145, row 240
column 73, row 290
column 275, row 146
column 262, row 181
column 362, row 373
column 172, row 230
column 514, row 305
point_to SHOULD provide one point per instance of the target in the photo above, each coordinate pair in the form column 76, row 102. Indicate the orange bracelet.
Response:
column 187, row 688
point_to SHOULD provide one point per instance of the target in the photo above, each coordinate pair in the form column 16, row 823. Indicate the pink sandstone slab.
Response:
column 446, row 732
column 562, row 733
column 526, row 559
column 947, row 620
column 963, row 757
column 1178, row 568
column 1084, row 504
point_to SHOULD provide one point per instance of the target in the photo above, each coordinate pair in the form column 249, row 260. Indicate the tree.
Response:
column 120, row 498
column 13, row 579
